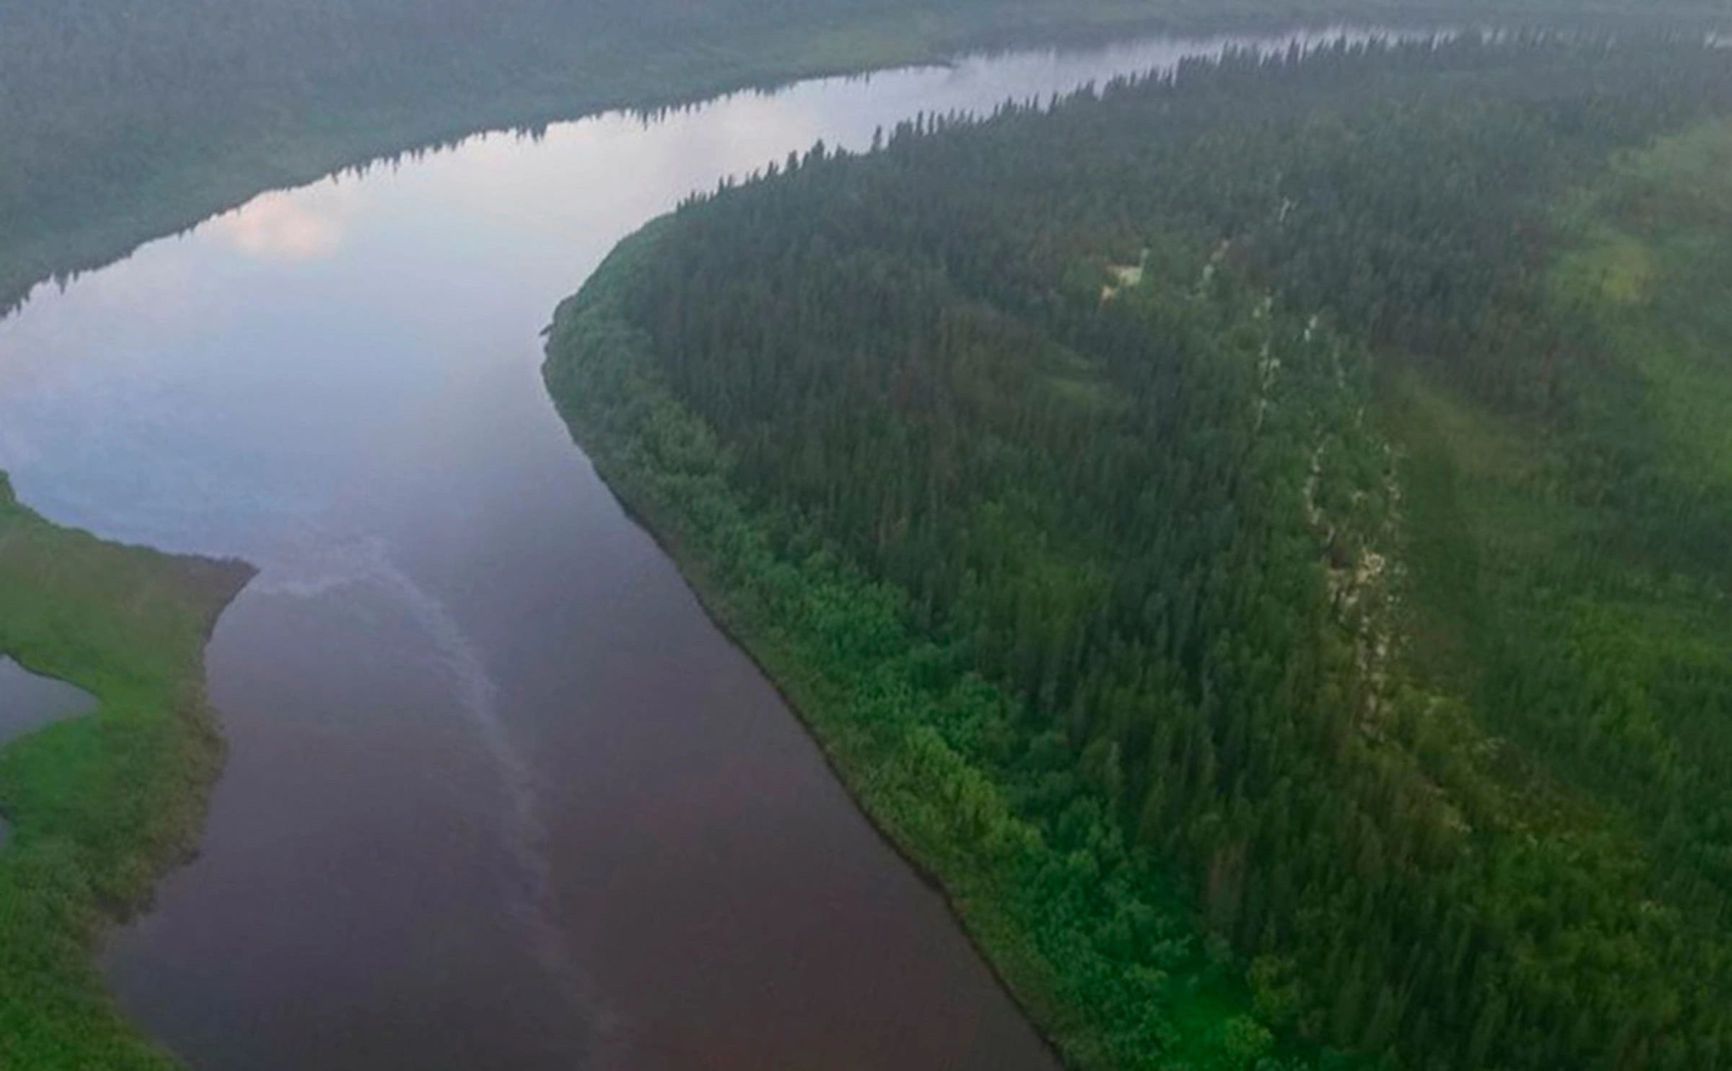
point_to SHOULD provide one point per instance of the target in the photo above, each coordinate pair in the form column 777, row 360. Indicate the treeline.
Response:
column 122, row 121
column 1090, row 412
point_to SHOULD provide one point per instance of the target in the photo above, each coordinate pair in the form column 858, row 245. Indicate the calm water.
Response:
column 498, row 794
column 29, row 702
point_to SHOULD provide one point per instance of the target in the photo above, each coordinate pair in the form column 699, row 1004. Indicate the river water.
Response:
column 29, row 702
column 499, row 795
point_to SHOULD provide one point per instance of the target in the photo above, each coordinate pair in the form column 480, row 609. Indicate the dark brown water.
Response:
column 499, row 796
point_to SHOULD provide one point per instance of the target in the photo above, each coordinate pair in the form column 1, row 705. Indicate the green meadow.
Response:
column 99, row 805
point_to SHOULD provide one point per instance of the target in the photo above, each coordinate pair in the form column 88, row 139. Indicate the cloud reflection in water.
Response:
column 284, row 226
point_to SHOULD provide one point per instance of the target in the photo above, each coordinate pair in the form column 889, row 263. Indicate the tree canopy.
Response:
column 1228, row 533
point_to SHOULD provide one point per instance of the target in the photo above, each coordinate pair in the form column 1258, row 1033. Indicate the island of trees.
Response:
column 1257, row 536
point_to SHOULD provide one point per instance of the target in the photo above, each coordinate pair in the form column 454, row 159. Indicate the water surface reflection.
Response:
column 499, row 795
column 29, row 702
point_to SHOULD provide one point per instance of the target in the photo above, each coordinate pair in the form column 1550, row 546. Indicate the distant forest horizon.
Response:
column 123, row 122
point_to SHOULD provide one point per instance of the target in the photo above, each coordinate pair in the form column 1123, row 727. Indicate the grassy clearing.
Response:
column 1569, row 583
column 99, row 805
column 1652, row 267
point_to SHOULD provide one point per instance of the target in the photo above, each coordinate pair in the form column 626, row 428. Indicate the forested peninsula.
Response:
column 1255, row 536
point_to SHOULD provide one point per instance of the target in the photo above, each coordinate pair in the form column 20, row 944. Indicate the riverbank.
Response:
column 1055, row 567
column 575, row 682
column 515, row 281
column 881, row 701
column 72, row 224
column 125, row 167
column 934, row 973
column 102, row 804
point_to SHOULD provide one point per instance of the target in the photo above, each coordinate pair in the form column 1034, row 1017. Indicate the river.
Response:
column 499, row 795
column 29, row 702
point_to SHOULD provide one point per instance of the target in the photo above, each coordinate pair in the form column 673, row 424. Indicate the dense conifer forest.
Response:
column 1257, row 536
column 124, row 121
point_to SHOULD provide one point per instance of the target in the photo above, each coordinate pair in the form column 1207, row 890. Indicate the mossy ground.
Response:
column 101, row 804
column 1568, row 576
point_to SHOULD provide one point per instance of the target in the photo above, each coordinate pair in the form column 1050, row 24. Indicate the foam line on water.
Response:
column 319, row 568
